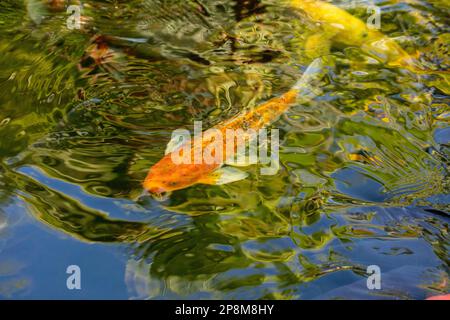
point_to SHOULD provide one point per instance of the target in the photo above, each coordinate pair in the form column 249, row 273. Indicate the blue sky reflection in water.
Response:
column 84, row 114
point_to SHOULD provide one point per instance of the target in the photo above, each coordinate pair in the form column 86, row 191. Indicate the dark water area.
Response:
column 85, row 113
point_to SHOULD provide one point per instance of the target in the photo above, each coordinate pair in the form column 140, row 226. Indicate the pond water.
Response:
column 84, row 114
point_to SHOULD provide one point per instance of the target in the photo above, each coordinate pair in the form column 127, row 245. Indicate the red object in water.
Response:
column 441, row 297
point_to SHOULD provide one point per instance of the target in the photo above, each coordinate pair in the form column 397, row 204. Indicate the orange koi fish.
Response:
column 168, row 175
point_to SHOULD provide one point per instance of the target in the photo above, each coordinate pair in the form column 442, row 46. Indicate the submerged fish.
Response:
column 166, row 175
column 340, row 27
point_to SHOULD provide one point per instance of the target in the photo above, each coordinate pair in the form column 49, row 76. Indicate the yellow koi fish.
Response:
column 168, row 175
column 340, row 27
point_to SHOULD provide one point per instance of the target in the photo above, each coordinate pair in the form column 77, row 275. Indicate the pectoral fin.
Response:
column 224, row 175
